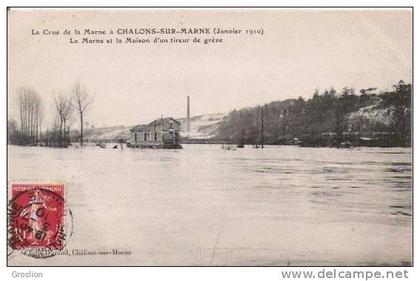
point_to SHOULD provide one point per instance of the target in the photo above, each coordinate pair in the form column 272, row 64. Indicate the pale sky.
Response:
column 301, row 50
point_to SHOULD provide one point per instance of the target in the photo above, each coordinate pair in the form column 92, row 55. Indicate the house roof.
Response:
column 144, row 127
column 160, row 120
column 139, row 128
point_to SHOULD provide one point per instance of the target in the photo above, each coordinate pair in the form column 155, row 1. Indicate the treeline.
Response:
column 67, row 109
column 327, row 119
column 31, row 113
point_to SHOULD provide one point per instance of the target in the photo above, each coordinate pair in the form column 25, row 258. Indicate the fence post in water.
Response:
column 262, row 127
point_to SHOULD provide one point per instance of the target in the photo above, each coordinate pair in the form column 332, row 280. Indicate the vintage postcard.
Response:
column 209, row 137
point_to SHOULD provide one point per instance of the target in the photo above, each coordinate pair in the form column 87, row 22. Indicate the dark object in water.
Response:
column 295, row 141
column 228, row 147
column 115, row 146
column 345, row 144
column 241, row 145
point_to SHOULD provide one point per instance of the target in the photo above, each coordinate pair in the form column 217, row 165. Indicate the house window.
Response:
column 145, row 136
column 135, row 136
column 170, row 125
column 155, row 136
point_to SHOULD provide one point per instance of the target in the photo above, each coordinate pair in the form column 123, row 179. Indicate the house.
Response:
column 161, row 133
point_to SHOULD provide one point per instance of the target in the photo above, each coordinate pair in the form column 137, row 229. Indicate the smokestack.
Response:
column 188, row 113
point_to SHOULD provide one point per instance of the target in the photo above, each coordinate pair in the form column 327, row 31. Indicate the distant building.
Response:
column 161, row 133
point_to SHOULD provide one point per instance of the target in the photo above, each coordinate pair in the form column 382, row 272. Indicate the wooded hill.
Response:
column 327, row 119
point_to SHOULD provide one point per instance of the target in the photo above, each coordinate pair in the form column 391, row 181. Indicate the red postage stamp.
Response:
column 36, row 216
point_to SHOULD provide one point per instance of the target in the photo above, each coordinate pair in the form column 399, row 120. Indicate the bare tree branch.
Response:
column 82, row 101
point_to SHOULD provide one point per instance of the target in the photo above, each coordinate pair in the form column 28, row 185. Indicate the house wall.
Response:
column 150, row 137
column 159, row 130
column 167, row 138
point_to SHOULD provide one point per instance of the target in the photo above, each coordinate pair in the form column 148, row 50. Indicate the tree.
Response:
column 82, row 100
column 11, row 131
column 64, row 109
column 30, row 115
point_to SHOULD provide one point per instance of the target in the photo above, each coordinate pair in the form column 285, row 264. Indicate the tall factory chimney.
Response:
column 188, row 113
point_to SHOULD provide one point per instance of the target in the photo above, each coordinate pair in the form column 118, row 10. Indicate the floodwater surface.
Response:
column 281, row 205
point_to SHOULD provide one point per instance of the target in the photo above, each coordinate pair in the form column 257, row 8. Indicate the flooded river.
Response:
column 281, row 205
